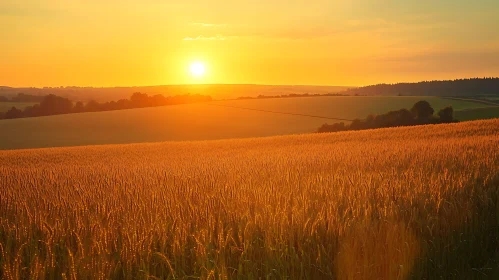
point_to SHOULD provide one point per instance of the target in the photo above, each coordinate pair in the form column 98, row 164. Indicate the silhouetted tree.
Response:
column 394, row 118
column 79, row 107
column 421, row 113
column 55, row 105
column 13, row 113
column 4, row 99
column 139, row 100
column 158, row 100
column 124, row 104
column 32, row 111
column 28, row 111
column 460, row 87
column 110, row 106
column 356, row 125
column 446, row 114
column 422, row 110
column 92, row 106
column 332, row 128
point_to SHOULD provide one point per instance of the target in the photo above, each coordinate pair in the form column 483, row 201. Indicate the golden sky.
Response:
column 153, row 42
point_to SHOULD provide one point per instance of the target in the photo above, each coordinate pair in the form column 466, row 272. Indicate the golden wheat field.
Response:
column 401, row 203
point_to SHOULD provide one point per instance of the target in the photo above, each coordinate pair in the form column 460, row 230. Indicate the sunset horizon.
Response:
column 248, row 84
column 87, row 43
column 249, row 139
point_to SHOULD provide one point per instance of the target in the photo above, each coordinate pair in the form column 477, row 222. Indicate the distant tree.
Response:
column 332, row 128
column 2, row 115
column 92, row 106
column 113, row 105
column 157, row 100
column 106, row 106
column 446, row 114
column 124, row 104
column 370, row 121
column 140, row 100
column 32, row 111
column 4, row 99
column 403, row 118
column 28, row 111
column 394, row 118
column 79, row 107
column 13, row 113
column 356, row 124
column 35, row 111
column 460, row 87
column 422, row 111
column 55, row 105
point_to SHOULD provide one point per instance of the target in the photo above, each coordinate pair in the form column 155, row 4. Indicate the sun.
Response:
column 197, row 69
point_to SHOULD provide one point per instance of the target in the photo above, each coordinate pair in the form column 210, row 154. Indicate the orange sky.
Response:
column 152, row 42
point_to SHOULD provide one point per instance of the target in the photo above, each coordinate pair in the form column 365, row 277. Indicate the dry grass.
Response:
column 418, row 202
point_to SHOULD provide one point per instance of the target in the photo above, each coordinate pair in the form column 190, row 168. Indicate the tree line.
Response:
column 56, row 105
column 421, row 113
column 459, row 87
column 291, row 95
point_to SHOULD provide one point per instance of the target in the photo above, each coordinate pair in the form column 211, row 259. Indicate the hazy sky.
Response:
column 152, row 42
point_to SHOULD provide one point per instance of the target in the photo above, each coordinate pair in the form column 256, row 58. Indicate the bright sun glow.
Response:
column 197, row 69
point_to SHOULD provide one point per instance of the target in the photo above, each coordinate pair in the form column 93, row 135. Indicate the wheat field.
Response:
column 401, row 203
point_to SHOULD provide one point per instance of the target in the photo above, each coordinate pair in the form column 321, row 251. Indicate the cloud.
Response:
column 303, row 31
column 208, row 37
column 280, row 34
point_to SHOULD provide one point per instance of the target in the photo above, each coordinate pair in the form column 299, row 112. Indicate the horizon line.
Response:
column 243, row 84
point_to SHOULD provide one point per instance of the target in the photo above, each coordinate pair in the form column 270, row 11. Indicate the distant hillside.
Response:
column 216, row 91
column 477, row 87
column 204, row 121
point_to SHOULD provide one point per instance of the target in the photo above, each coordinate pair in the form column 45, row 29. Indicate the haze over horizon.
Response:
column 181, row 85
column 87, row 43
column 241, row 84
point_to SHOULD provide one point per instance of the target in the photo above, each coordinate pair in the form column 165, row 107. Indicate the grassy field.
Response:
column 6, row 106
column 477, row 113
column 200, row 121
column 415, row 202
column 348, row 107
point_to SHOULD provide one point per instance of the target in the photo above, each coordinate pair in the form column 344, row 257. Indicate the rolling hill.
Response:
column 206, row 121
